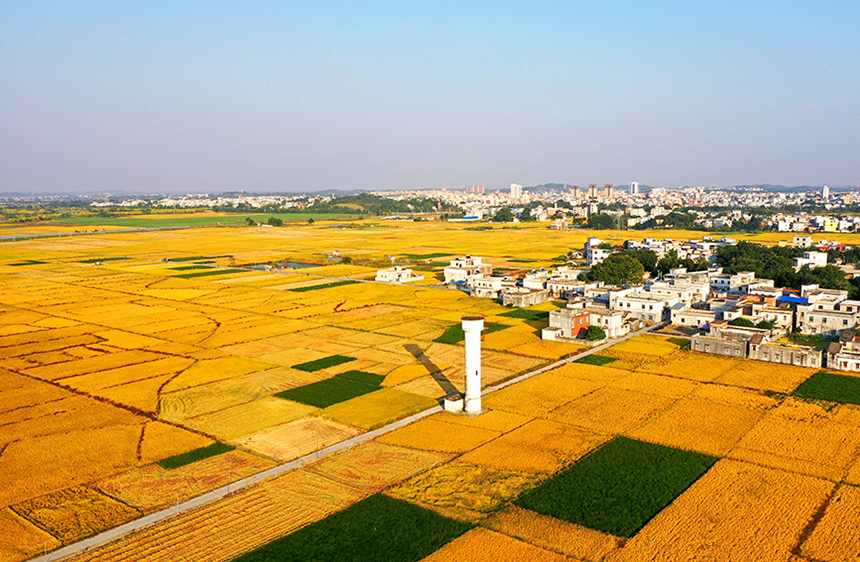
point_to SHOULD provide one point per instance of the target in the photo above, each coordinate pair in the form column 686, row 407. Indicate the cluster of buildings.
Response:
column 596, row 250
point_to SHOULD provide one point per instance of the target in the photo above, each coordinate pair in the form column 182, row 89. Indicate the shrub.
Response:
column 595, row 333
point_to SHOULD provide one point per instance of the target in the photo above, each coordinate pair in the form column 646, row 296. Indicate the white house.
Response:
column 462, row 269
column 811, row 259
column 397, row 274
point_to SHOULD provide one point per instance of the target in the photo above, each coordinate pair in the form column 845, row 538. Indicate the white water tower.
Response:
column 472, row 327
column 471, row 404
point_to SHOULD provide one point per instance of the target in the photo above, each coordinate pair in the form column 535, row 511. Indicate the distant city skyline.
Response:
column 193, row 97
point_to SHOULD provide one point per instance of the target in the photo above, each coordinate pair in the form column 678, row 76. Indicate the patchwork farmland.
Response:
column 130, row 386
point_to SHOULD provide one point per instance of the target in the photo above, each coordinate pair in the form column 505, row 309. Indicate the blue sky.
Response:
column 283, row 96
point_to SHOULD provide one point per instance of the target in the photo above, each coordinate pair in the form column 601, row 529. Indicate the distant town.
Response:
column 606, row 206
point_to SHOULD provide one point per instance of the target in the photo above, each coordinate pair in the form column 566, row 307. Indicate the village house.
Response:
column 462, row 269
column 397, row 274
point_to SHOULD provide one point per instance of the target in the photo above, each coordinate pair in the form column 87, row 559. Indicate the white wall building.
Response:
column 462, row 269
column 811, row 259
column 397, row 274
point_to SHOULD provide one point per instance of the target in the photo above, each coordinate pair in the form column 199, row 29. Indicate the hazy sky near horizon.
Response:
column 291, row 96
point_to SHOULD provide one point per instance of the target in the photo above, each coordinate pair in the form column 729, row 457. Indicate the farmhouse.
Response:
column 397, row 274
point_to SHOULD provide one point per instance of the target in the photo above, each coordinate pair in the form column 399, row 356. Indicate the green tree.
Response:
column 526, row 215
column 617, row 269
column 740, row 321
column 251, row 222
column 595, row 333
column 311, row 220
column 648, row 259
column 505, row 214
column 274, row 221
column 601, row 221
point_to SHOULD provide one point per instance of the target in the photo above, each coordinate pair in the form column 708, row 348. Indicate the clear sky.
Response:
column 288, row 96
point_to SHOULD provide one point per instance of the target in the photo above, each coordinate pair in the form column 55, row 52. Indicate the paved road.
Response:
column 218, row 493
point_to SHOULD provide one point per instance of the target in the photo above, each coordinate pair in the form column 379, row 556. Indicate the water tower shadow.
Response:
column 435, row 372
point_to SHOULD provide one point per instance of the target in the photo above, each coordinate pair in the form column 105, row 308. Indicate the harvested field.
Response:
column 297, row 438
column 242, row 522
column 151, row 487
column 375, row 466
column 75, row 513
column 464, row 491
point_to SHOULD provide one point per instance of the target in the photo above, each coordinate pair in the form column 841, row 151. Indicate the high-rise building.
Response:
column 592, row 191
column 574, row 191
column 609, row 190
column 516, row 191
column 634, row 188
column 825, row 193
column 475, row 189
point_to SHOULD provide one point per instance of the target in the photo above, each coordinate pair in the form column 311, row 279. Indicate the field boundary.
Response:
column 227, row 489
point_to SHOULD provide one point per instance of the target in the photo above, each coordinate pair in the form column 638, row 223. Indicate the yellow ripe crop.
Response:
column 701, row 367
column 75, row 512
column 655, row 384
column 482, row 545
column 151, row 487
column 648, row 345
column 494, row 420
column 736, row 511
column 20, row 539
column 237, row 421
column 547, row 532
column 837, row 534
column 463, row 490
column 699, row 425
column 761, row 375
column 378, row 408
column 204, row 372
column 374, row 466
column 819, row 447
column 65, row 459
column 539, row 394
column 127, row 340
column 94, row 365
column 736, row 396
column 433, row 434
column 610, row 410
column 160, row 440
column 538, row 446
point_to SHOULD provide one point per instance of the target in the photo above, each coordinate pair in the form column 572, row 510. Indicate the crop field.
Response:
column 125, row 389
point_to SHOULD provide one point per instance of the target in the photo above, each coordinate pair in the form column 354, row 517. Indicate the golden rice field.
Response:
column 107, row 370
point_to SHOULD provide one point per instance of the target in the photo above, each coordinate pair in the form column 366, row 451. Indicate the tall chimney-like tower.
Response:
column 472, row 327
